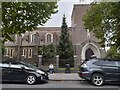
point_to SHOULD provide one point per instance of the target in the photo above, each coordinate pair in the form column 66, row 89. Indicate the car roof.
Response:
column 108, row 59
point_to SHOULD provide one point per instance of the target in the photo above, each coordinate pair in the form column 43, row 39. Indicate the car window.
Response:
column 27, row 66
column 109, row 63
column 96, row 63
column 15, row 66
column 4, row 65
column 99, row 62
column 105, row 63
column 119, row 64
column 18, row 65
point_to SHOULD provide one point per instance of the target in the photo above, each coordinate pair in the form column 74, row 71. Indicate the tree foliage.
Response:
column 65, row 48
column 103, row 19
column 47, row 51
column 19, row 17
column 113, row 53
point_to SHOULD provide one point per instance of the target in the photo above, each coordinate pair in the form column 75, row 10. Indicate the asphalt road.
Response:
column 59, row 84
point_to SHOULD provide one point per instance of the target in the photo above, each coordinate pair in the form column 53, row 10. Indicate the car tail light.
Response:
column 82, row 74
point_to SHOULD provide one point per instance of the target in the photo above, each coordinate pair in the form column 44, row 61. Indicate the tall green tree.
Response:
column 19, row 17
column 103, row 19
column 65, row 48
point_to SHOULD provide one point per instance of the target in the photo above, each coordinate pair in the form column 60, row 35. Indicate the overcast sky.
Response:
column 64, row 7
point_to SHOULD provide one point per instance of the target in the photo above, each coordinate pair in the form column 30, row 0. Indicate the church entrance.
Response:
column 88, row 50
column 88, row 53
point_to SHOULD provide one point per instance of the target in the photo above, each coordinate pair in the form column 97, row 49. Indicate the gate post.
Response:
column 40, row 60
column 57, row 63
column 75, row 63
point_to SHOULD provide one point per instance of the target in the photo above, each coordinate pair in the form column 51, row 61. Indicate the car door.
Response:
column 17, row 73
column 118, row 64
column 5, row 71
column 110, row 69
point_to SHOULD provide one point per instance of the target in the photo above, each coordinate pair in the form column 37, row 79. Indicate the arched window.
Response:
column 49, row 38
column 33, row 38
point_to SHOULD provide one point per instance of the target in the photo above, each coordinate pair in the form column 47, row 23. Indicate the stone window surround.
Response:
column 93, row 47
column 33, row 34
column 33, row 38
column 46, row 37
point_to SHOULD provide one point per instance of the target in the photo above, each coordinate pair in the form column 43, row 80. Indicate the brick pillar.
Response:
column 40, row 60
column 57, row 63
column 75, row 63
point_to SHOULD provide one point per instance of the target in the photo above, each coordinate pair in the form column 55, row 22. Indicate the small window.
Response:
column 6, row 52
column 11, row 53
column 49, row 38
column 25, row 52
column 30, row 53
column 33, row 38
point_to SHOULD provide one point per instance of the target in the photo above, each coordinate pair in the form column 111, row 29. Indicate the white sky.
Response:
column 64, row 7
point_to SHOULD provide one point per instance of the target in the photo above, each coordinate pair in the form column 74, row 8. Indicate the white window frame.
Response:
column 30, row 53
column 46, row 37
column 24, row 52
column 6, row 52
column 32, row 37
column 11, row 52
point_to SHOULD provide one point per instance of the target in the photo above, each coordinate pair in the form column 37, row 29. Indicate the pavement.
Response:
column 64, row 77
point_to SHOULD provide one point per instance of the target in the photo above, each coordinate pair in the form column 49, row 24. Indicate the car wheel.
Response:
column 97, row 79
column 31, row 79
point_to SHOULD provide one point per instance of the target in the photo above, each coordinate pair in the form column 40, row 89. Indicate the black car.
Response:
column 12, row 70
column 99, row 71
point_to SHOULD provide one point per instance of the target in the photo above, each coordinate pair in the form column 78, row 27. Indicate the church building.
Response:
column 84, row 42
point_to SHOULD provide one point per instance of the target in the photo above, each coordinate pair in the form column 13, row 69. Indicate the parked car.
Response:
column 99, row 71
column 13, row 70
